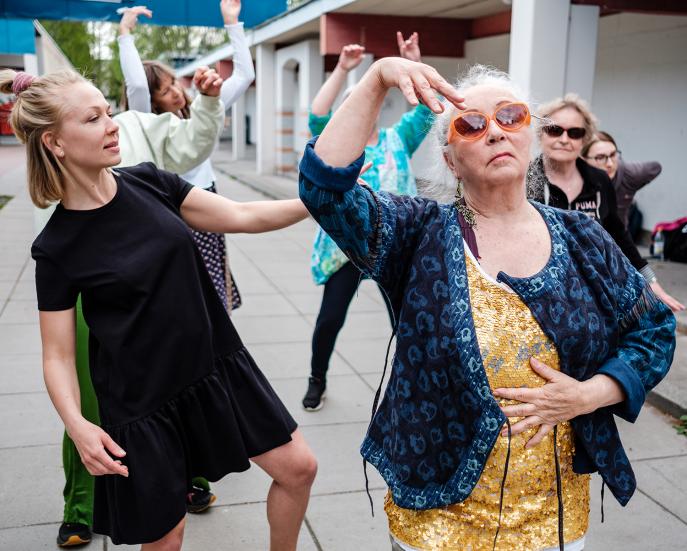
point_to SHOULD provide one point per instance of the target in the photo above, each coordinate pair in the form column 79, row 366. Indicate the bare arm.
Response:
column 58, row 335
column 351, row 56
column 211, row 212
column 344, row 138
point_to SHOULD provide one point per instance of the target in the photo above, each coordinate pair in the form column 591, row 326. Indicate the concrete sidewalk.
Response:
column 276, row 323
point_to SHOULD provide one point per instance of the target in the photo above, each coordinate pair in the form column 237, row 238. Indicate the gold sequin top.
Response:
column 508, row 336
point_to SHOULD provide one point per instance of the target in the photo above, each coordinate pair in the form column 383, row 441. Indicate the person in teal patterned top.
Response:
column 389, row 151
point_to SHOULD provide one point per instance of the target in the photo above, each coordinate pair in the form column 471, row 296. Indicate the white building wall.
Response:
column 639, row 93
column 49, row 56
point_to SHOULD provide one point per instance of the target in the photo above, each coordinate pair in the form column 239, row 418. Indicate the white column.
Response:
column 356, row 74
column 238, row 128
column 581, row 54
column 31, row 64
column 265, row 102
column 311, row 76
column 538, row 47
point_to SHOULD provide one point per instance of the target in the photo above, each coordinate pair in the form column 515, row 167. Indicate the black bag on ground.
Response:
column 675, row 247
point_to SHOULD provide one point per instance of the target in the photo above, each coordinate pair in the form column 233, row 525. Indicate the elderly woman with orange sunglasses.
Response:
column 521, row 330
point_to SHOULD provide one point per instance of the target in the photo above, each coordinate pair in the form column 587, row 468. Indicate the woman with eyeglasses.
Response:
column 560, row 178
column 627, row 178
column 522, row 329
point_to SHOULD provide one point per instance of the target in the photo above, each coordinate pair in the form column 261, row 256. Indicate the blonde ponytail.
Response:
column 38, row 109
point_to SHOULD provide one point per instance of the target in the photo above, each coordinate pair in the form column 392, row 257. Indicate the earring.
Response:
column 462, row 207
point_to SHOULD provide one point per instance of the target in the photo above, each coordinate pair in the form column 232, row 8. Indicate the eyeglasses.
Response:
column 555, row 131
column 472, row 125
column 602, row 159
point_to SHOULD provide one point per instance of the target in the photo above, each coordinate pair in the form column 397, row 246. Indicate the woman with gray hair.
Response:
column 561, row 178
column 521, row 331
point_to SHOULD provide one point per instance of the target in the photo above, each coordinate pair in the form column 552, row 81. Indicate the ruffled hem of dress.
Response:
column 212, row 428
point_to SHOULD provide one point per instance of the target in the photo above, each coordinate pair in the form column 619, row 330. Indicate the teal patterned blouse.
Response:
column 390, row 171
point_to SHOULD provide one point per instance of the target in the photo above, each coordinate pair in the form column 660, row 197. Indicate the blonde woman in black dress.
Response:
column 179, row 394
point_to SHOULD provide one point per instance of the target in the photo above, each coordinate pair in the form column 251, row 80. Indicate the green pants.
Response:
column 78, row 487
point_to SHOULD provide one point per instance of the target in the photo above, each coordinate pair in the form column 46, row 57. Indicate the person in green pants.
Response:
column 78, row 488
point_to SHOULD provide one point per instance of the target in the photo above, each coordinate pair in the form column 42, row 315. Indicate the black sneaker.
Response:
column 314, row 397
column 72, row 534
column 199, row 500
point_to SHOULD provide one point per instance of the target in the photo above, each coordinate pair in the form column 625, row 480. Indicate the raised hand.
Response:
column 351, row 56
column 417, row 81
column 230, row 11
column 207, row 81
column 130, row 18
column 410, row 49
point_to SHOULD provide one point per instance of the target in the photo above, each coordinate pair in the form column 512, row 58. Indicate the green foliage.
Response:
column 75, row 40
column 681, row 427
column 171, row 43
column 94, row 51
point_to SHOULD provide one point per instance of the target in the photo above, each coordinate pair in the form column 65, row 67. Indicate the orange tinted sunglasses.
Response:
column 472, row 125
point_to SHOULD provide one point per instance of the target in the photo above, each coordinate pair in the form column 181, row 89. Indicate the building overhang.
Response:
column 467, row 19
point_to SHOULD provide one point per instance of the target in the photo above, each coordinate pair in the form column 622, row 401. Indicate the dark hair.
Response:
column 155, row 72
column 600, row 136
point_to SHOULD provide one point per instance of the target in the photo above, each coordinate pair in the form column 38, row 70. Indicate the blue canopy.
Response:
column 203, row 13
column 17, row 36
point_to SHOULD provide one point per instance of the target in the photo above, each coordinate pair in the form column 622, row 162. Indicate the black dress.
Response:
column 176, row 388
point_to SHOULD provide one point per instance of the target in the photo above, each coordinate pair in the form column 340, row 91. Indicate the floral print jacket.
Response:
column 390, row 171
column 438, row 420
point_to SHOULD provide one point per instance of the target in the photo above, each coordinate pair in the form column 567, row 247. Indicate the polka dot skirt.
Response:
column 213, row 248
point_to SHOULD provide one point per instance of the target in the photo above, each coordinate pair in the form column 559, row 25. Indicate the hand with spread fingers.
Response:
column 130, row 18
column 417, row 81
column 562, row 398
column 410, row 48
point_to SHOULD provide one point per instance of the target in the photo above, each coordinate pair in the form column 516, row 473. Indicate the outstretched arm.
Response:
column 137, row 93
column 211, row 212
column 351, row 56
column 244, row 73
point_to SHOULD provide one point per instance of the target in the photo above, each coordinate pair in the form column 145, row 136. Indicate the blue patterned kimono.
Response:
column 438, row 420
column 390, row 171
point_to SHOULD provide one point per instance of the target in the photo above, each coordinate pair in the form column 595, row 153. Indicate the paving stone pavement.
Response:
column 276, row 321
